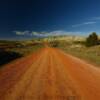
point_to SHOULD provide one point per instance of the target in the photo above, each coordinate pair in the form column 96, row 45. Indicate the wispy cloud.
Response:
column 95, row 18
column 22, row 32
column 45, row 34
column 30, row 33
column 61, row 32
column 85, row 23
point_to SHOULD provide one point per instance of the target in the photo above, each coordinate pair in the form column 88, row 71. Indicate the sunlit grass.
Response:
column 89, row 54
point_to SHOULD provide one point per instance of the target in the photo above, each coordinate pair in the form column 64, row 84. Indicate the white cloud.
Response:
column 30, row 33
column 22, row 33
column 85, row 23
column 45, row 34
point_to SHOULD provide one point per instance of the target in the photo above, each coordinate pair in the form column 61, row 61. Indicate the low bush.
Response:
column 7, row 56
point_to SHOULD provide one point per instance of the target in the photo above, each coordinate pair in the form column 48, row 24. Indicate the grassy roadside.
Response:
column 89, row 54
column 10, row 53
column 27, row 49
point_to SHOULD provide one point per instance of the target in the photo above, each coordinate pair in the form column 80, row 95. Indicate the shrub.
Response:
column 92, row 39
column 7, row 56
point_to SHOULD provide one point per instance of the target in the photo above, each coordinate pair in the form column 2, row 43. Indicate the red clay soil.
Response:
column 49, row 74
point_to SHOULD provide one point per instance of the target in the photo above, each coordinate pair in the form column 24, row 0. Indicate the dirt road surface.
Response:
column 49, row 74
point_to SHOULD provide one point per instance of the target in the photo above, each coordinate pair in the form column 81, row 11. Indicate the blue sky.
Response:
column 23, row 18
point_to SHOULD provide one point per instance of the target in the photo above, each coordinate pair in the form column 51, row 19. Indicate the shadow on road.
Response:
column 7, row 56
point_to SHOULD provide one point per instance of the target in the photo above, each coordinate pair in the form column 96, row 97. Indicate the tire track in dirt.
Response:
column 25, row 81
column 85, row 75
column 67, row 88
column 53, row 75
column 11, row 73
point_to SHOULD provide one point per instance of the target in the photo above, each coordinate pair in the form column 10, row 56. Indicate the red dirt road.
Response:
column 49, row 74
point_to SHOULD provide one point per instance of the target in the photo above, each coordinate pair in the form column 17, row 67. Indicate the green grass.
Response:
column 90, row 54
column 10, row 51
column 21, row 47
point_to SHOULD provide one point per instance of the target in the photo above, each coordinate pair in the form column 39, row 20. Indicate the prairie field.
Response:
column 89, row 54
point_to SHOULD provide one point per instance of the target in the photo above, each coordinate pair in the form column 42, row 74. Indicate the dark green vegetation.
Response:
column 11, row 50
column 92, row 40
column 7, row 56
